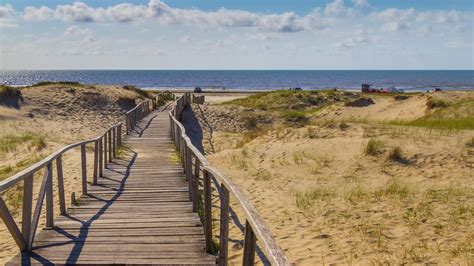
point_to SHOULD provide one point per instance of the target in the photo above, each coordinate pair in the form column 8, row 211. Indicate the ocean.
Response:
column 409, row 80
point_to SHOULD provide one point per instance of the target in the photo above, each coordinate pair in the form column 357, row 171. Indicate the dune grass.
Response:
column 11, row 142
column 445, row 115
column 306, row 200
column 374, row 147
column 9, row 170
column 67, row 83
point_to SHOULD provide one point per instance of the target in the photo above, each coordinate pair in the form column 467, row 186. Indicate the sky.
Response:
column 237, row 34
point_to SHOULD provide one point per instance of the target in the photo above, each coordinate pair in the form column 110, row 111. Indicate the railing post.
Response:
column 62, row 200
column 101, row 155
column 224, row 226
column 114, row 136
column 127, row 123
column 84, row 169
column 96, row 162
column 27, row 208
column 109, row 133
column 49, row 198
column 249, row 245
column 207, row 212
column 189, row 174
column 105, row 149
column 119, row 135
column 196, row 184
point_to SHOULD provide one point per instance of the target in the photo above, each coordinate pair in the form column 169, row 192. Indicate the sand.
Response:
column 327, row 202
column 63, row 115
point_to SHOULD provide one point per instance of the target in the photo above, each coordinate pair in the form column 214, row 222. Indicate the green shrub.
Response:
column 374, row 147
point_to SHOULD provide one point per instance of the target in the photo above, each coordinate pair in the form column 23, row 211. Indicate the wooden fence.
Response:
column 105, row 149
column 136, row 114
column 196, row 165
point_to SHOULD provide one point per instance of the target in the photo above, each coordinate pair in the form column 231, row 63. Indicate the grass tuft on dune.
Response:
column 11, row 142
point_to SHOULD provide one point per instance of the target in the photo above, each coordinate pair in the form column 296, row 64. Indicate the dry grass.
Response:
column 12, row 142
column 375, row 147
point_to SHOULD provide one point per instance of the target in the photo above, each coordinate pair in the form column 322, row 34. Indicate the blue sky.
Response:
column 245, row 34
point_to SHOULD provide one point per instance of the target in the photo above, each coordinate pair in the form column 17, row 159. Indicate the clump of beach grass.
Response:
column 374, row 147
column 306, row 200
column 11, row 142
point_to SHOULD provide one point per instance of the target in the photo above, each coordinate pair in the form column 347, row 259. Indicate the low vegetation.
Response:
column 164, row 97
column 445, row 115
column 437, row 103
column 290, row 100
column 375, row 147
column 6, row 91
column 66, row 83
column 141, row 92
column 10, row 143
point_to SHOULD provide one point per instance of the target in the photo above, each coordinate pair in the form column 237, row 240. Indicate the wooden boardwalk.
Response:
column 138, row 213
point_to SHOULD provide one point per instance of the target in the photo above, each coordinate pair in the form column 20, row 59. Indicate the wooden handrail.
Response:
column 133, row 116
column 255, row 229
column 105, row 149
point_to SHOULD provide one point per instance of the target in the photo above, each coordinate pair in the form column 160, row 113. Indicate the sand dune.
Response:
column 55, row 115
column 329, row 202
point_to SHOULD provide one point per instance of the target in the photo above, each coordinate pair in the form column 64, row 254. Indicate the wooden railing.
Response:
column 105, row 149
column 136, row 114
column 196, row 165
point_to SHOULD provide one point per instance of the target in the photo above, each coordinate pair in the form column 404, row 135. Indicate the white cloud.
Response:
column 160, row 12
column 7, row 14
column 77, row 12
column 361, row 3
column 337, row 8
column 37, row 14
column 185, row 39
column 76, row 30
column 357, row 38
